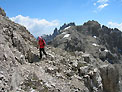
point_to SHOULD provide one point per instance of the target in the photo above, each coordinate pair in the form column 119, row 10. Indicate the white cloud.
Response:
column 115, row 25
column 36, row 26
column 102, row 1
column 94, row 4
column 102, row 6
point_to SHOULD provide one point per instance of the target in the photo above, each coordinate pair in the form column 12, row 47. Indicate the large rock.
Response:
column 2, row 12
column 110, row 78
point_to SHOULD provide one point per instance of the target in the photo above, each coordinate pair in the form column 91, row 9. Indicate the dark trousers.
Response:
column 42, row 50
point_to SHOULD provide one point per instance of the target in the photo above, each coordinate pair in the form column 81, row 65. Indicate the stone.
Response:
column 2, row 12
column 110, row 79
column 86, row 58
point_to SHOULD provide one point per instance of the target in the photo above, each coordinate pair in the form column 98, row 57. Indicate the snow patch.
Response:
column 106, row 50
column 95, row 36
column 67, row 27
column 67, row 35
column 94, row 44
column 64, row 33
column 119, row 82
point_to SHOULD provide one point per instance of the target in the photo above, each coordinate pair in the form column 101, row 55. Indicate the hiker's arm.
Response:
column 38, row 45
column 44, row 42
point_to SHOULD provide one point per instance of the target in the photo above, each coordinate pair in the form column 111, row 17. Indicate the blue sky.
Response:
column 42, row 16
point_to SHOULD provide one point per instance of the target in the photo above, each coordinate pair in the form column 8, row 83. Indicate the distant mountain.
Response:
column 102, row 42
column 49, row 38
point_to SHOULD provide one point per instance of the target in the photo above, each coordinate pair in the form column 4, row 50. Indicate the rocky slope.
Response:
column 17, row 46
column 60, row 71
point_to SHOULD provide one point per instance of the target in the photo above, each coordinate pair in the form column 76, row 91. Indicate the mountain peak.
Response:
column 92, row 22
column 67, row 25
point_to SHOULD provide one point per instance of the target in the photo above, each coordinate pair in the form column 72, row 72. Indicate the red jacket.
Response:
column 41, row 43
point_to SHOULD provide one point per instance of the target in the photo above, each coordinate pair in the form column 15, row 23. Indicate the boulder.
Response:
column 2, row 12
column 110, row 79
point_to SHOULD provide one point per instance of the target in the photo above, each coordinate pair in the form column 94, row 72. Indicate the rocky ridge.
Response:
column 61, row 71
column 56, row 32
column 102, row 42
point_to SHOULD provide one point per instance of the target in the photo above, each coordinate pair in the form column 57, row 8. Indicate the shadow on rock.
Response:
column 34, row 58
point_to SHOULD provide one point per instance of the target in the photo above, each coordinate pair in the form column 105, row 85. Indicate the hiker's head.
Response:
column 39, row 38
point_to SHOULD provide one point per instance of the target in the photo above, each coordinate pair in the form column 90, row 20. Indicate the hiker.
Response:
column 41, row 45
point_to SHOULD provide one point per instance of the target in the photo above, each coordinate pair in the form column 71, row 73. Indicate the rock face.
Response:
column 61, row 71
column 17, row 47
column 109, row 78
column 2, row 12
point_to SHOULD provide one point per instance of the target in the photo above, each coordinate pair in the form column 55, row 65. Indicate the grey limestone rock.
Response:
column 2, row 12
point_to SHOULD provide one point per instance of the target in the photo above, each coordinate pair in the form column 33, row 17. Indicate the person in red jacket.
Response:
column 41, row 43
